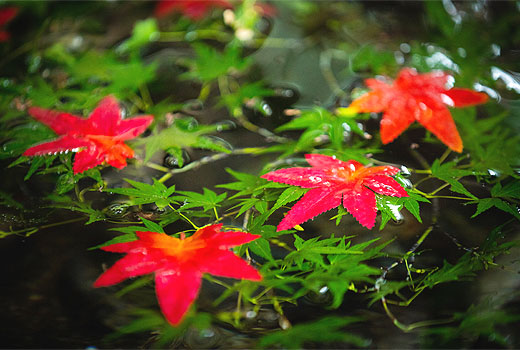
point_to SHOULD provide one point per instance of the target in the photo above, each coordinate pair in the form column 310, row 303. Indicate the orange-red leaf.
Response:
column 6, row 15
column 98, row 139
column 333, row 182
column 194, row 9
column 417, row 97
column 179, row 264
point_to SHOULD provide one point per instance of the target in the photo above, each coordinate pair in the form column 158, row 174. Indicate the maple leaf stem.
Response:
column 421, row 171
column 145, row 94
column 328, row 74
column 444, row 155
column 31, row 230
column 79, row 194
column 236, row 314
column 216, row 213
column 384, row 302
column 420, row 158
column 231, row 213
column 457, row 243
column 200, row 34
column 246, row 124
column 223, row 86
column 247, row 215
column 226, row 38
column 420, row 181
column 210, row 278
column 440, row 188
column 261, row 294
column 453, row 197
column 280, row 244
column 411, row 327
column 418, row 243
column 138, row 102
column 157, row 167
column 406, row 303
column 202, row 161
column 404, row 259
column 184, row 217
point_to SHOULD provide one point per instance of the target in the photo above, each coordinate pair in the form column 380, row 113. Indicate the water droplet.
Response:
column 407, row 183
column 511, row 81
column 187, row 123
column 172, row 162
column 322, row 297
column 315, row 179
column 194, row 105
column 495, row 49
column 400, row 220
column 207, row 338
column 34, row 63
column 264, row 25
column 287, row 93
column 284, row 323
column 405, row 172
column 6, row 82
column 405, row 48
column 284, row 96
column 439, row 59
column 324, row 290
column 221, row 142
column 251, row 314
column 76, row 42
column 191, row 36
column 266, row 109
column 493, row 172
column 225, row 125
column 399, row 57
column 116, row 210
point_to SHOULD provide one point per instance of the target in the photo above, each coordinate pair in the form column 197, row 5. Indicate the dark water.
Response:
column 46, row 294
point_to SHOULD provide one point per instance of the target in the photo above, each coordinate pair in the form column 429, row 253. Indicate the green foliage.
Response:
column 328, row 330
column 17, row 139
column 65, row 202
column 450, row 174
column 480, row 320
column 158, row 68
column 144, row 32
column 211, row 64
column 318, row 123
column 102, row 72
column 144, row 193
column 248, row 94
column 181, row 134
column 492, row 145
column 367, row 57
column 208, row 200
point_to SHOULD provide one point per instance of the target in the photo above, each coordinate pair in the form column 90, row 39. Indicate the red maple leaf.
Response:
column 6, row 15
column 417, row 97
column 194, row 9
column 179, row 264
column 96, row 140
column 333, row 182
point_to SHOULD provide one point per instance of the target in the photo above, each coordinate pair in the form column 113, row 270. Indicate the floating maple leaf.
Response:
column 6, row 15
column 179, row 264
column 420, row 97
column 332, row 182
column 194, row 9
column 97, row 139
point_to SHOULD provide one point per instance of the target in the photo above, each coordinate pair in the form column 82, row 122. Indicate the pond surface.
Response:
column 312, row 54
